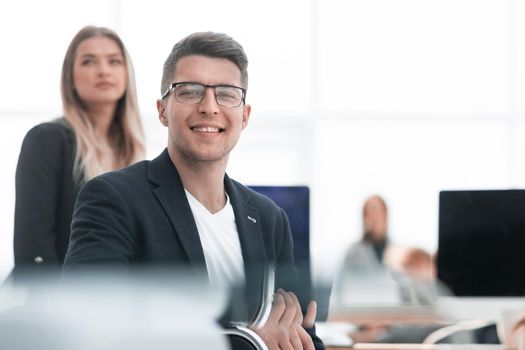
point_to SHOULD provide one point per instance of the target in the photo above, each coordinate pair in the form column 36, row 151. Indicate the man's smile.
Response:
column 207, row 129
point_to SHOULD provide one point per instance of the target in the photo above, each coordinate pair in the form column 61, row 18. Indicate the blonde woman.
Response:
column 99, row 132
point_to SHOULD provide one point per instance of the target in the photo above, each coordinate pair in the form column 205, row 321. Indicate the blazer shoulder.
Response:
column 57, row 127
column 49, row 133
column 50, row 143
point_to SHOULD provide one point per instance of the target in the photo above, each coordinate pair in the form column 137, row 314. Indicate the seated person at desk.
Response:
column 392, row 274
column 374, row 253
column 362, row 275
column 181, row 207
column 368, row 253
column 375, row 271
column 415, row 262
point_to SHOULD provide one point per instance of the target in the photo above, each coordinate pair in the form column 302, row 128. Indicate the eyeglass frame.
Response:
column 173, row 85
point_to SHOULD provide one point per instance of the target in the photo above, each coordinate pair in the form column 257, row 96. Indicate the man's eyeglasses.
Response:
column 193, row 93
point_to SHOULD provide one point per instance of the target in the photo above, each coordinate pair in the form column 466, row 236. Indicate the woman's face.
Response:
column 99, row 72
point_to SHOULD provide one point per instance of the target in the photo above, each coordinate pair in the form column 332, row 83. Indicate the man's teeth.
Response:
column 206, row 129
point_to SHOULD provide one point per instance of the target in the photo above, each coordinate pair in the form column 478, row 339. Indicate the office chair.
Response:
column 295, row 201
column 239, row 335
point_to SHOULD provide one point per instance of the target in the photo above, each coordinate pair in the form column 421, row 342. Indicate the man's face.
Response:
column 205, row 131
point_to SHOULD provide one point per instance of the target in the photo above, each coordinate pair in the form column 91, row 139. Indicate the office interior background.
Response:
column 402, row 98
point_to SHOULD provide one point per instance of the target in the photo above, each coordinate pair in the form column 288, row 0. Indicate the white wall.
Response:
column 403, row 98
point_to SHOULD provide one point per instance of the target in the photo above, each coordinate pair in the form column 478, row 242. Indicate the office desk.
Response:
column 374, row 346
column 405, row 314
column 449, row 311
column 408, row 324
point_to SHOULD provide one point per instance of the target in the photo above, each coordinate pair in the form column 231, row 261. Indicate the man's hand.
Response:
column 284, row 328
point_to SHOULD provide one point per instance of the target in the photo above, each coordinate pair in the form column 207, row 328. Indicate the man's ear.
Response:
column 247, row 109
column 162, row 112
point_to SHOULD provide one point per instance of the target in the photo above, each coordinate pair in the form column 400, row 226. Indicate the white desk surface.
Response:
column 379, row 346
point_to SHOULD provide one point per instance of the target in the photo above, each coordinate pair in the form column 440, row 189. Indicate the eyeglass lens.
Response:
column 191, row 93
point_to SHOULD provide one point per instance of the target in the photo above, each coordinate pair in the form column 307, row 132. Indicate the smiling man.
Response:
column 182, row 208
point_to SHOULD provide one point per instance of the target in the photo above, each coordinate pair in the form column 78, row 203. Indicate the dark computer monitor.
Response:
column 481, row 248
column 295, row 201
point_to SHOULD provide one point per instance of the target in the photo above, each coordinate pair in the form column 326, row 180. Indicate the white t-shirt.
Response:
column 220, row 242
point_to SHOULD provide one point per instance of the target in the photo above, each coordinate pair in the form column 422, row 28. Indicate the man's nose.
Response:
column 208, row 104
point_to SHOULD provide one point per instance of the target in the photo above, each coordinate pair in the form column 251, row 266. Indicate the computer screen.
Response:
column 481, row 245
column 295, row 201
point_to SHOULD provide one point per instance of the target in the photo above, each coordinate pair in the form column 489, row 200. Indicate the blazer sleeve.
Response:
column 285, row 260
column 37, row 183
column 102, row 230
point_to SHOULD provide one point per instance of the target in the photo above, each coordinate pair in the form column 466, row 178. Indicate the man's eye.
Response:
column 227, row 95
column 189, row 92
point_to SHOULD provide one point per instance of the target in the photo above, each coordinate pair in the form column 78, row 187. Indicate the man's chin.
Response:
column 206, row 157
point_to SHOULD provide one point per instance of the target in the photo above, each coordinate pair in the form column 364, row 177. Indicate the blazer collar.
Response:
column 172, row 198
column 248, row 223
column 170, row 194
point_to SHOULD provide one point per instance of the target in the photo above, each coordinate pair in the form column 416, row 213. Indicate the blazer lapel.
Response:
column 248, row 223
column 172, row 198
column 251, row 238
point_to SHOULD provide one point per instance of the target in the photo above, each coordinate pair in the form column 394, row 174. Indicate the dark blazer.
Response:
column 140, row 215
column 45, row 196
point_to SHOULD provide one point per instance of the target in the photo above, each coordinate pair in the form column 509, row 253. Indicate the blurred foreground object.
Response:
column 145, row 311
column 511, row 328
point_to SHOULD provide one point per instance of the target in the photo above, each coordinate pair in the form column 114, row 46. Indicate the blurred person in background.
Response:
column 414, row 262
column 367, row 254
column 375, row 252
column 100, row 131
column 378, row 271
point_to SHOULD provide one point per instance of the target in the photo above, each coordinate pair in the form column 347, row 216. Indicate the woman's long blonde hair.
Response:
column 126, row 134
